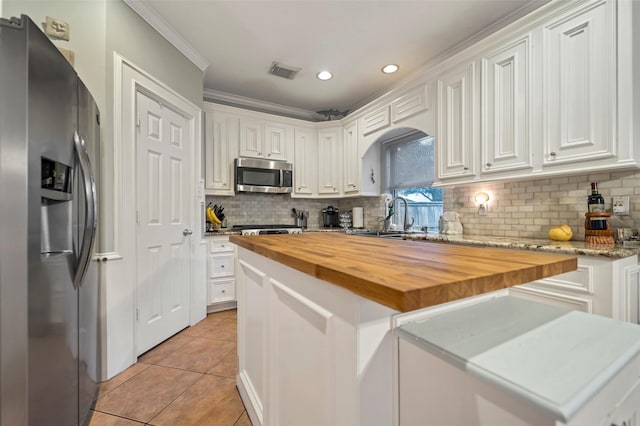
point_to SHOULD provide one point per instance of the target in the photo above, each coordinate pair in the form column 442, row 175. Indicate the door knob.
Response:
column 187, row 232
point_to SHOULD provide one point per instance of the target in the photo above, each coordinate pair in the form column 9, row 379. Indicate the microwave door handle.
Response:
column 90, row 207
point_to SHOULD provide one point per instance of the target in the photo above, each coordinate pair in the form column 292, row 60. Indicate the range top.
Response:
column 241, row 227
column 267, row 229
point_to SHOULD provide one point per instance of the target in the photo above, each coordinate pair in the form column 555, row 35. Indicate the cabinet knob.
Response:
column 465, row 168
column 553, row 154
column 260, row 154
column 488, row 164
column 224, row 291
column 269, row 155
column 222, row 266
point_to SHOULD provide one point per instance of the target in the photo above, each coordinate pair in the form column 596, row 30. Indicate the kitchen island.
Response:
column 316, row 313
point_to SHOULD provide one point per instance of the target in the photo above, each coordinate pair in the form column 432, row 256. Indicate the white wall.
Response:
column 87, row 21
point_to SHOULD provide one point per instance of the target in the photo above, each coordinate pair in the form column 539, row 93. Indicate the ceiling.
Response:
column 354, row 39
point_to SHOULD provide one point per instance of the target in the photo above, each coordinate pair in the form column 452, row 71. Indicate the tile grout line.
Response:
column 175, row 399
column 119, row 416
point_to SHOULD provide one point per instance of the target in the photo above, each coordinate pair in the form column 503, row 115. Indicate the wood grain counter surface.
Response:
column 405, row 275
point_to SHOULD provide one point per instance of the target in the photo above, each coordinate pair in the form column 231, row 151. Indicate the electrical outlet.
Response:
column 620, row 206
column 56, row 28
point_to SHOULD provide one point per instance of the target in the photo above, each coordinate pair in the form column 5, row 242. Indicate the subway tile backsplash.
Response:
column 250, row 209
column 521, row 209
column 528, row 209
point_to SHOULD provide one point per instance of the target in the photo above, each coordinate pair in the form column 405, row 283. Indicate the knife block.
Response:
column 600, row 236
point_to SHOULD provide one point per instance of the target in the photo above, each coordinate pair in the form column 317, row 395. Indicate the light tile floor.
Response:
column 186, row 380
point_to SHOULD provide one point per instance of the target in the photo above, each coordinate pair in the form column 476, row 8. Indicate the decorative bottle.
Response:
column 595, row 204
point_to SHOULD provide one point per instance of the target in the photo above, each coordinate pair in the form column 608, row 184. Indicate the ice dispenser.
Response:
column 56, row 208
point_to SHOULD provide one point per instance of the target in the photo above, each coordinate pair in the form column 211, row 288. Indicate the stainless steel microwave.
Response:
column 255, row 175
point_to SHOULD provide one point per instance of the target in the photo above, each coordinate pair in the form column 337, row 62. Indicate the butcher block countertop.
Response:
column 405, row 275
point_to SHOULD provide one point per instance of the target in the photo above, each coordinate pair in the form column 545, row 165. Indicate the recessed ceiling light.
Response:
column 390, row 69
column 324, row 75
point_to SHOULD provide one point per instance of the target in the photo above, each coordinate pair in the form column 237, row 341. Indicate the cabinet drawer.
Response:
column 222, row 290
column 220, row 244
column 222, row 265
column 578, row 281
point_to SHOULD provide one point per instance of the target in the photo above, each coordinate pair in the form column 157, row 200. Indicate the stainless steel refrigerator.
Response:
column 49, row 294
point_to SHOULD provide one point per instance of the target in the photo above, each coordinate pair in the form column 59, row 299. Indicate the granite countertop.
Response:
column 613, row 251
column 553, row 358
column 221, row 233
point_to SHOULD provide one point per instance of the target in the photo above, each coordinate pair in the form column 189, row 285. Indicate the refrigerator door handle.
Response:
column 91, row 216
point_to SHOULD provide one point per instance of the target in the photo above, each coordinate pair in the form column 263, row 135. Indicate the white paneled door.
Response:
column 164, row 226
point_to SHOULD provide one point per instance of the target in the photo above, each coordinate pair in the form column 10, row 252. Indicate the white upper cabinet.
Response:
column 251, row 135
column 562, row 78
column 455, row 122
column 375, row 120
column 262, row 139
column 410, row 104
column 506, row 108
column 329, row 161
column 352, row 162
column 221, row 148
column 305, row 173
column 276, row 139
column 579, row 81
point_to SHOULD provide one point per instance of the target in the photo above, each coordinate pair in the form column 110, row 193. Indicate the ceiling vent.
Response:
column 283, row 71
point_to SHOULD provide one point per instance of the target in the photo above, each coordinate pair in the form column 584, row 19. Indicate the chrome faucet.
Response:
column 407, row 225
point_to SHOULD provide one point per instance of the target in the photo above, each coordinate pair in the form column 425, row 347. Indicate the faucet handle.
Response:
column 408, row 225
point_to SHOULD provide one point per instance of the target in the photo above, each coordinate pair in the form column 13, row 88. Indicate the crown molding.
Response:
column 168, row 32
column 261, row 106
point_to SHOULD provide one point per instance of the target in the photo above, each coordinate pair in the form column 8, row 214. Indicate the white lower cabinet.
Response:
column 221, row 283
column 310, row 352
column 601, row 286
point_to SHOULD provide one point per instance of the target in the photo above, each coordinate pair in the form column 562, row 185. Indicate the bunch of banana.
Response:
column 211, row 216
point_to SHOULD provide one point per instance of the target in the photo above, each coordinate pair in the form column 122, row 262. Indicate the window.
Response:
column 410, row 173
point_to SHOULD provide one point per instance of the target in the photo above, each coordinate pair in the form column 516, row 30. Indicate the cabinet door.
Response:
column 352, row 161
column 410, row 104
column 305, row 162
column 628, row 411
column 251, row 138
column 221, row 148
column 375, row 120
column 506, row 108
column 275, row 143
column 579, row 69
column 329, row 161
column 455, row 123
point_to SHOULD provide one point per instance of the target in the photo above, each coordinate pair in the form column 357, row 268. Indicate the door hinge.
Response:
column 138, row 217
column 138, row 121
column 137, row 314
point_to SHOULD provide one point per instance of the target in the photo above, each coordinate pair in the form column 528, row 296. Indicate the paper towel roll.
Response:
column 358, row 217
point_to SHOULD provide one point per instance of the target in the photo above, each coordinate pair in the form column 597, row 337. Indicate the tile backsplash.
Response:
column 528, row 209
column 247, row 209
column 525, row 209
